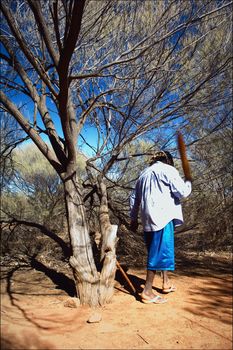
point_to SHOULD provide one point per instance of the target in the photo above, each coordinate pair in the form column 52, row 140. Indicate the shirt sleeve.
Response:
column 178, row 186
column 134, row 202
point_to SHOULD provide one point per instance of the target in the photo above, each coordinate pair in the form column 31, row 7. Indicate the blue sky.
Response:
column 88, row 132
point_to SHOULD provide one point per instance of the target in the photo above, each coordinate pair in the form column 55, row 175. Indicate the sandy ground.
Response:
column 197, row 316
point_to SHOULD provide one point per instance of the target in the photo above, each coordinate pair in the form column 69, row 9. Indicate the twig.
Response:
column 142, row 338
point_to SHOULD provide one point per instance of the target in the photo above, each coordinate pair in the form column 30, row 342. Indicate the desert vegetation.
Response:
column 89, row 90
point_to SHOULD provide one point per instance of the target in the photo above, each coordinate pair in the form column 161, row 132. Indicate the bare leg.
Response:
column 165, row 279
column 147, row 291
column 167, row 286
column 147, row 294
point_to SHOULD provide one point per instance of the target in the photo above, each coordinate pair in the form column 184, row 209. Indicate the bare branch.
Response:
column 43, row 29
column 24, row 47
column 12, row 109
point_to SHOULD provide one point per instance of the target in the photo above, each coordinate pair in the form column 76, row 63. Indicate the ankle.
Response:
column 147, row 291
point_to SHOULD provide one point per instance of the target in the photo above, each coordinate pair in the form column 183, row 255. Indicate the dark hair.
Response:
column 162, row 156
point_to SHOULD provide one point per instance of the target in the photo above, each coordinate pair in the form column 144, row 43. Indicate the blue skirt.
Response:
column 160, row 247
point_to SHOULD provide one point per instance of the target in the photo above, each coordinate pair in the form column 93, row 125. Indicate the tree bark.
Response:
column 108, row 247
column 107, row 276
column 93, row 288
column 82, row 261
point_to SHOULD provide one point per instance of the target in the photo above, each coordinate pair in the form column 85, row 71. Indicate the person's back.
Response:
column 158, row 191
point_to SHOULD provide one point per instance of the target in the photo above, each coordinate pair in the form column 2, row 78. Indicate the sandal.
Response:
column 156, row 300
column 169, row 290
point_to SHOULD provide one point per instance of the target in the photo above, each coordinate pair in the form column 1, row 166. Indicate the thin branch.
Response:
column 13, row 110
column 146, row 48
column 24, row 47
column 54, row 13
column 43, row 29
column 43, row 229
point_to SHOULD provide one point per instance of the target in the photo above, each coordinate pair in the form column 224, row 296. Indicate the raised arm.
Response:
column 178, row 186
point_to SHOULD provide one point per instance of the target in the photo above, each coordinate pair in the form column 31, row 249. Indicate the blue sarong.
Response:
column 160, row 247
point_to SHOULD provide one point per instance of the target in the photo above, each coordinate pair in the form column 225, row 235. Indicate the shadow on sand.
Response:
column 59, row 279
column 212, row 299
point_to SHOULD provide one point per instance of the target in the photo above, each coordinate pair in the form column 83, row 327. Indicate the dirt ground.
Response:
column 34, row 312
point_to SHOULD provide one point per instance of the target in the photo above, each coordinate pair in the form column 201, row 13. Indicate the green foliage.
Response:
column 10, row 136
column 32, row 163
column 36, row 192
column 140, row 71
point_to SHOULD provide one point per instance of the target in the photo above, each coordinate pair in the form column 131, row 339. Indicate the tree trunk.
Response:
column 107, row 276
column 108, row 247
column 93, row 288
column 82, row 261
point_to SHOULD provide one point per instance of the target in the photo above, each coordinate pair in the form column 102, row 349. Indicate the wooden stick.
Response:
column 126, row 278
column 183, row 155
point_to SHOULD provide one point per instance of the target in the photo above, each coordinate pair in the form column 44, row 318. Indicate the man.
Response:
column 157, row 193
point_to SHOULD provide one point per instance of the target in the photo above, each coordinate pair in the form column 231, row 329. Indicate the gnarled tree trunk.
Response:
column 108, row 247
column 94, row 288
column 82, row 261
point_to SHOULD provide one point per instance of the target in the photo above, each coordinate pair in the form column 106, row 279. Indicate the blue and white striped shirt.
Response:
column 157, row 193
